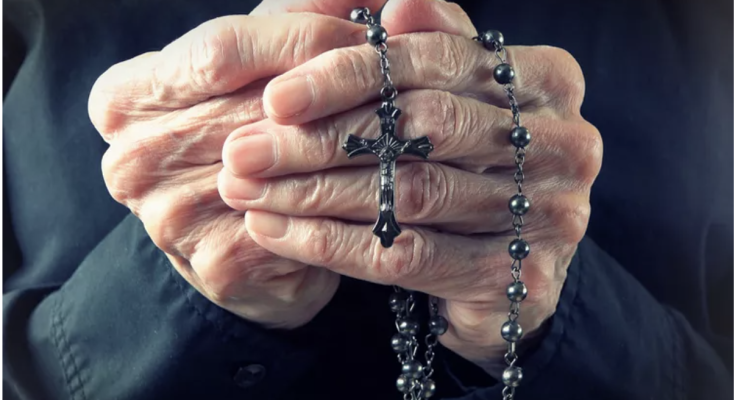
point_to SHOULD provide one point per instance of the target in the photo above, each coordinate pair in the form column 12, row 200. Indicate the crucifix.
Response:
column 387, row 148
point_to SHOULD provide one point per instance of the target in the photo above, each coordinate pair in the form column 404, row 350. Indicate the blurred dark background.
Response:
column 659, row 78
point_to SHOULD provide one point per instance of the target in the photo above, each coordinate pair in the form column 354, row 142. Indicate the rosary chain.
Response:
column 519, row 205
column 415, row 380
column 388, row 92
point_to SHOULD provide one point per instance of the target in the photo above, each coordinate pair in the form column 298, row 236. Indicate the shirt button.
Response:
column 248, row 376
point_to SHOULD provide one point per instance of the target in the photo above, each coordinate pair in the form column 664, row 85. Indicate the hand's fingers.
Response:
column 440, row 264
column 335, row 8
column 407, row 16
column 209, row 246
column 427, row 194
column 466, row 133
column 345, row 78
column 217, row 57
column 194, row 136
column 190, row 221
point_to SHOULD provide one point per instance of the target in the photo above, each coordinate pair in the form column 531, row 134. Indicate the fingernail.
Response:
column 267, row 224
column 251, row 154
column 246, row 189
column 291, row 97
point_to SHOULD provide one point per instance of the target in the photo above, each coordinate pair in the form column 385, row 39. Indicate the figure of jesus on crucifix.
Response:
column 387, row 148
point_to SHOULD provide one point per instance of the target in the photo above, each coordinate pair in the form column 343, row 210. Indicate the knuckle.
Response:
column 123, row 167
column 588, row 148
column 403, row 260
column 303, row 33
column 565, row 82
column 108, row 103
column 224, row 270
column 166, row 218
column 298, row 41
column 116, row 184
column 312, row 192
column 211, row 52
column 325, row 239
column 539, row 280
column 443, row 117
column 442, row 60
column 216, row 282
column 425, row 194
column 570, row 215
column 325, row 147
column 354, row 67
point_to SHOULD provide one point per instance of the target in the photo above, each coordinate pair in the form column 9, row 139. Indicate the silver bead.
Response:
column 397, row 301
column 428, row 388
column 520, row 136
column 519, row 249
column 399, row 343
column 490, row 37
column 408, row 326
column 519, row 204
column 404, row 384
column 376, row 35
column 412, row 368
column 511, row 331
column 512, row 376
column 504, row 73
column 360, row 15
column 438, row 325
column 516, row 291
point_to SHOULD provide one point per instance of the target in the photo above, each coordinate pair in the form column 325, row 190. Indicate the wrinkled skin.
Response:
column 254, row 202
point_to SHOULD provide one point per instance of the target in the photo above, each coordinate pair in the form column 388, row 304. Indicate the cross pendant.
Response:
column 387, row 148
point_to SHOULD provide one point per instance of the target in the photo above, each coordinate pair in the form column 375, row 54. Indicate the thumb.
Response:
column 334, row 8
column 407, row 16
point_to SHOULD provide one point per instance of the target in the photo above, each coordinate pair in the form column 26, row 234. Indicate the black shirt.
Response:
column 93, row 310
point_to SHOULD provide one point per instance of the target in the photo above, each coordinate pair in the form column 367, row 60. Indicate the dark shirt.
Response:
column 93, row 310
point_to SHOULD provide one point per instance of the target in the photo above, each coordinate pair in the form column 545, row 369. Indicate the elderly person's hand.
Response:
column 166, row 116
column 306, row 201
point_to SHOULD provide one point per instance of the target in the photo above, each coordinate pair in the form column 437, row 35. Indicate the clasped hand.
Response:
column 226, row 144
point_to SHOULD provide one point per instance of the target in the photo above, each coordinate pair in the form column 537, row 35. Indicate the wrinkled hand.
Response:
column 309, row 203
column 166, row 116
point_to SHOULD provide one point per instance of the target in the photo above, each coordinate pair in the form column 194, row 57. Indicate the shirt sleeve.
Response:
column 127, row 326
column 609, row 339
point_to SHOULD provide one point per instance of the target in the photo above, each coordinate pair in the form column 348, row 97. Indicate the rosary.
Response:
column 415, row 379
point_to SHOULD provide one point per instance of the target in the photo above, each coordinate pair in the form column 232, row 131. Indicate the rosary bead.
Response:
column 404, row 384
column 438, row 325
column 428, row 388
column 376, row 35
column 519, row 249
column 516, row 291
column 511, row 331
column 359, row 15
column 512, row 376
column 520, row 137
column 412, row 369
column 397, row 301
column 490, row 37
column 503, row 73
column 519, row 204
column 408, row 326
column 399, row 343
